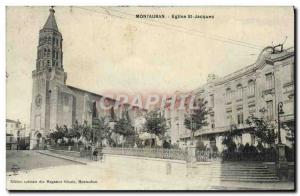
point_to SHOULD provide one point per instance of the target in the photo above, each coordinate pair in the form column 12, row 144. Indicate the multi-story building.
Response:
column 253, row 90
column 15, row 131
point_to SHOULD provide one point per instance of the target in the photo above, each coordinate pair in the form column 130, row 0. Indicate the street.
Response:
column 27, row 160
column 42, row 172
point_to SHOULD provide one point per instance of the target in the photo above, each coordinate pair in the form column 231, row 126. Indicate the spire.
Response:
column 51, row 22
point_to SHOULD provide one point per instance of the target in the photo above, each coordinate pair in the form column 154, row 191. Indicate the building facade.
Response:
column 15, row 132
column 54, row 103
column 253, row 90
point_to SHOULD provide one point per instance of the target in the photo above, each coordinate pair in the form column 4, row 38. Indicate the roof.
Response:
column 12, row 121
column 72, row 88
column 85, row 91
column 51, row 22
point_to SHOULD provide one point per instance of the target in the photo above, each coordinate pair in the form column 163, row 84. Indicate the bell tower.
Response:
column 49, row 80
column 49, row 50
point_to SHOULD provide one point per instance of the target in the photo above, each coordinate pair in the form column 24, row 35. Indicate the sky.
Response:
column 108, row 50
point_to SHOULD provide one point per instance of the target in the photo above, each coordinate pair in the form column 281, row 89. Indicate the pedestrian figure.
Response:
column 95, row 155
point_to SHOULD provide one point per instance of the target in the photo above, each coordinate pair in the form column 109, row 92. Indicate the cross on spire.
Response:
column 52, row 9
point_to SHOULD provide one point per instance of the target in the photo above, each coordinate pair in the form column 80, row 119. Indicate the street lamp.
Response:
column 279, row 112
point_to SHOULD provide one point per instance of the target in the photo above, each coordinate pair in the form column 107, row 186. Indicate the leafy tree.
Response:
column 124, row 127
column 263, row 129
column 200, row 145
column 87, row 132
column 155, row 124
column 290, row 135
column 59, row 133
column 228, row 138
column 196, row 119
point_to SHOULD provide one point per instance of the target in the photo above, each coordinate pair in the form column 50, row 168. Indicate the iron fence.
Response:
column 207, row 156
column 176, row 154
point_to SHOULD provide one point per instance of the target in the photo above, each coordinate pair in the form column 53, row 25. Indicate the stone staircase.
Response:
column 235, row 171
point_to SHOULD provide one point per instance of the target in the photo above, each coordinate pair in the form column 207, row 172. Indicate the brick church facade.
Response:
column 53, row 101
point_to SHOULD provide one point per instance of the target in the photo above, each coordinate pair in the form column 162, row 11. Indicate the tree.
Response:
column 262, row 129
column 196, row 119
column 87, row 132
column 290, row 135
column 228, row 138
column 123, row 127
column 155, row 124
column 59, row 133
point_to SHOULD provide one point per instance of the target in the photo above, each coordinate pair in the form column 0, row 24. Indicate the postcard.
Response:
column 150, row 98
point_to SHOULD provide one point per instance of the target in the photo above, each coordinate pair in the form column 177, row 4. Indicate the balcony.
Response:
column 269, row 91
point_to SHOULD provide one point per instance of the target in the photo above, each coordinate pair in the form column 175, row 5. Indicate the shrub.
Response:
column 200, row 145
column 215, row 148
column 260, row 147
column 289, row 153
column 241, row 148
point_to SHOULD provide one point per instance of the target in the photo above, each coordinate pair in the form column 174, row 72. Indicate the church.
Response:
column 54, row 103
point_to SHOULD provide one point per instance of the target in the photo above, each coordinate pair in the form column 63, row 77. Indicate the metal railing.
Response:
column 250, row 156
column 176, row 154
column 207, row 156
column 67, row 148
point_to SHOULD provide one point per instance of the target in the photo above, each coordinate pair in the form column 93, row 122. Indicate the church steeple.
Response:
column 51, row 22
column 49, row 50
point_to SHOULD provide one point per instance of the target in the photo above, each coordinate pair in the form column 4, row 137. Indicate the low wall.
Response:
column 66, row 152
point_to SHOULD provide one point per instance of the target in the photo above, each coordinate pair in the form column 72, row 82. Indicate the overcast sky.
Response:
column 105, row 53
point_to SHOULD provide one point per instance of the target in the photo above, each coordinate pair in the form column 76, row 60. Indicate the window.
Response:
column 228, row 95
column 38, row 66
column 239, row 91
column 270, row 110
column 251, row 109
column 229, row 117
column 240, row 119
column 53, row 53
column 94, row 109
column 269, row 81
column 48, row 62
column 212, row 101
column 48, row 53
column 45, row 52
column 251, row 88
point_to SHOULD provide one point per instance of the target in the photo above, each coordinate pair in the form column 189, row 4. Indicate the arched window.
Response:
column 48, row 53
column 239, row 91
column 45, row 52
column 251, row 88
column 38, row 66
column 49, row 40
column 228, row 95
